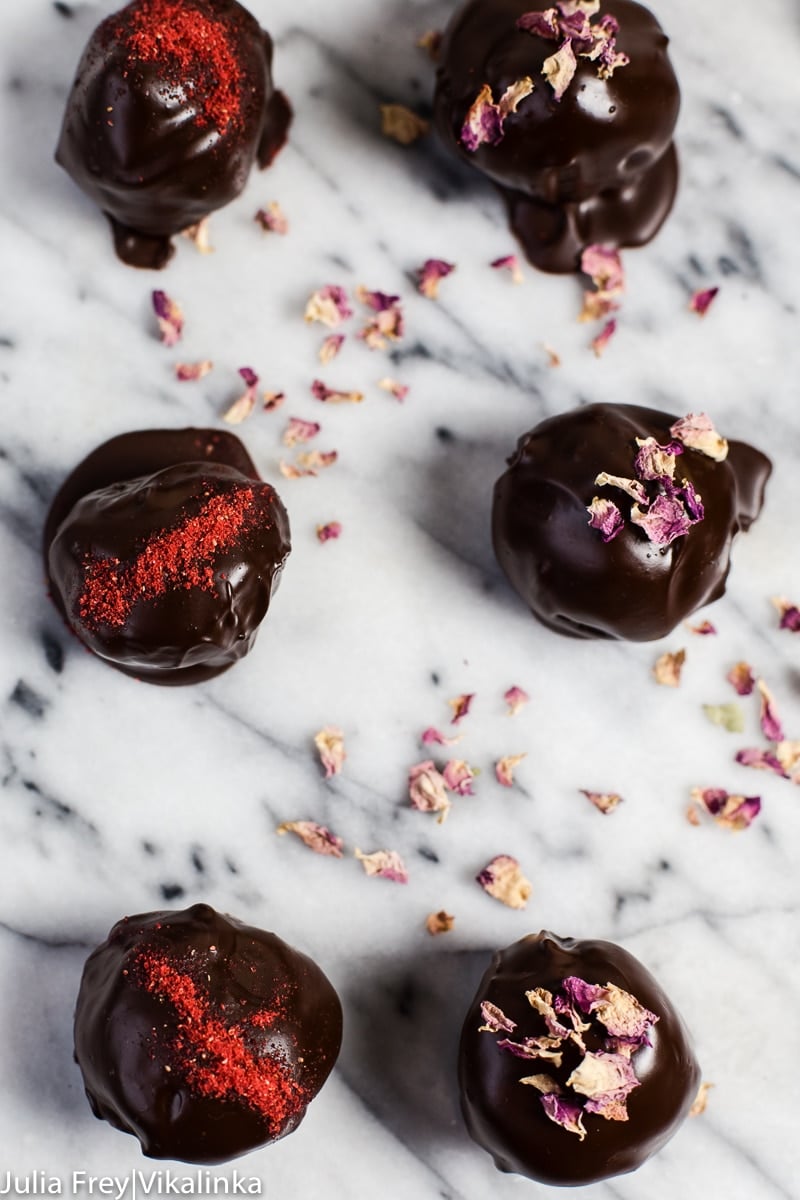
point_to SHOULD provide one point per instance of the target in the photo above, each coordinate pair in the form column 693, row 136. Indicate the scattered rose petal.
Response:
column 300, row 431
column 516, row 699
column 330, row 745
column 742, row 678
column 655, row 461
column 431, row 43
column 439, row 922
column 241, row 408
column 543, row 1083
column 426, row 790
column 605, row 517
column 401, row 124
column 704, row 629
column 502, row 878
column 329, row 532
column 199, row 234
column 504, row 768
column 273, row 400
column 604, row 267
column 600, row 343
column 559, row 68
column 458, row 777
column 483, row 124
column 316, row 837
column 731, row 812
column 331, row 396
column 770, row 721
column 553, row 358
column 398, row 390
column 316, row 460
column 790, row 613
column 788, row 755
column 432, row 737
column 331, row 347
column 386, row 863
column 623, row 1016
column 761, row 760
column 668, row 668
column 541, row 24
column 461, row 706
column 495, row 1020
column 700, row 1100
column 727, row 716
column 566, row 1114
column 597, row 305
column 272, row 219
column 692, row 815
column 329, row 305
column 542, row 1000
column 388, row 322
column 169, row 316
column 606, row 1079
column 665, row 520
column 509, row 263
column 188, row 372
column 631, row 487
column 698, row 433
column 605, row 801
column 430, row 275
column 702, row 301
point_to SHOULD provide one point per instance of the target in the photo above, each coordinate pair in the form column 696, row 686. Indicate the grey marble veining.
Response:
column 118, row 797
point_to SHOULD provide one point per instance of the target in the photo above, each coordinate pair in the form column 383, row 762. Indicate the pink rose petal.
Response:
column 461, row 706
column 502, row 878
column 316, row 837
column 504, row 768
column 329, row 532
column 272, row 219
column 188, row 372
column 300, row 431
column 430, row 275
column 385, row 863
column 329, row 305
column 426, row 789
column 702, row 301
column 169, row 316
column 516, row 699
column 330, row 745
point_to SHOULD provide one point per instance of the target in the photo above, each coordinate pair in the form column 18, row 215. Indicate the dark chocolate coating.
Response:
column 124, row 1034
column 132, row 141
column 506, row 1117
column 131, row 488
column 598, row 165
column 629, row 588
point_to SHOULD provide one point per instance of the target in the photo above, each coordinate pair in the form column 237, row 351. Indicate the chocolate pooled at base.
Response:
column 508, row 1119
column 629, row 588
column 597, row 165
column 172, row 103
column 163, row 549
column 202, row 1036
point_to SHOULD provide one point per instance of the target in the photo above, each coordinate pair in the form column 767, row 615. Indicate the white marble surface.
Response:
column 118, row 796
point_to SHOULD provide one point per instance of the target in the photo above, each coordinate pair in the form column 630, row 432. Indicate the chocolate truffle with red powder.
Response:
column 574, row 1065
column 202, row 1036
column 570, row 110
column 163, row 550
column 171, row 105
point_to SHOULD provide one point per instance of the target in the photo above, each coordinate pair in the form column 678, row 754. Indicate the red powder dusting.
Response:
column 195, row 52
column 175, row 558
column 213, row 1058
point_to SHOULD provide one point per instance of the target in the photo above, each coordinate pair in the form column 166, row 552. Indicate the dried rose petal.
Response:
column 742, row 678
column 430, row 275
column 704, row 629
column 510, row 263
column 330, row 744
column 273, row 400
column 495, row 1020
column 606, row 1079
column 631, row 487
column 533, row 1048
column 378, row 301
column 790, row 613
column 516, row 699
column 788, row 755
column 316, row 837
column 199, row 235
column 604, row 267
column 504, row 768
column 698, row 433
column 624, row 1017
column 386, row 863
column 542, row 1000
column 483, row 124
column 300, row 431
column 331, row 347
column 585, row 996
column 316, row 460
column 554, row 359
column 668, row 668
column 597, row 305
column 431, row 43
column 731, row 812
column 654, row 461
column 700, row 1100
column 331, row 396
column 727, row 716
column 426, row 789
column 600, row 343
column 398, row 390
column 543, row 1083
column 458, row 777
column 665, row 520
column 241, row 408
column 329, row 305
column 568, row 7
column 559, row 68
column 605, row 801
column 502, row 878
column 691, row 815
column 461, row 706
column 702, row 301
column 329, row 532
column 401, row 124
column 514, row 94
column 761, row 760
column 272, row 219
column 605, row 517
column 432, row 737
column 771, row 725
column 566, row 1114
column 188, row 372
column 169, row 316
column 439, row 922
column 540, row 24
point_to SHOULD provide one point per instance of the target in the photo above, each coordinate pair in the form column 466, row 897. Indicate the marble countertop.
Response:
column 119, row 797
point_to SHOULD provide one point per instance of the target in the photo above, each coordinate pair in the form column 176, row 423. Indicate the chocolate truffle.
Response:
column 616, row 521
column 573, row 1064
column 171, row 104
column 163, row 549
column 204, row 1037
column 579, row 159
